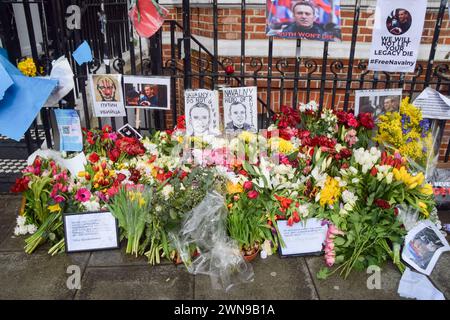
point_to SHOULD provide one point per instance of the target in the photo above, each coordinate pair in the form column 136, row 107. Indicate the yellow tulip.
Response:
column 423, row 207
column 412, row 186
column 82, row 174
column 427, row 189
column 234, row 188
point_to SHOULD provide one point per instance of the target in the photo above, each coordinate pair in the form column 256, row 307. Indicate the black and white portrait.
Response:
column 240, row 109
column 202, row 112
column 377, row 102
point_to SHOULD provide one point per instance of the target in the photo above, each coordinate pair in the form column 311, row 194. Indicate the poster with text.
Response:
column 147, row 92
column 201, row 109
column 396, row 35
column 240, row 109
column 312, row 19
column 107, row 97
column 69, row 133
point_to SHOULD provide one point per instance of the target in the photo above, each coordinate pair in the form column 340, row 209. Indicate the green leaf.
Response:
column 323, row 274
column 339, row 241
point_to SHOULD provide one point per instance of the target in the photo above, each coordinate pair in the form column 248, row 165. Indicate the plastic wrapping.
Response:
column 219, row 256
column 408, row 215
column 147, row 16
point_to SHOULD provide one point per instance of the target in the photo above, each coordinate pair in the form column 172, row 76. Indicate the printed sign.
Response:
column 313, row 19
column 302, row 238
column 240, row 109
column 396, row 35
column 433, row 104
column 202, row 112
column 147, row 92
column 68, row 135
column 90, row 231
column 106, row 91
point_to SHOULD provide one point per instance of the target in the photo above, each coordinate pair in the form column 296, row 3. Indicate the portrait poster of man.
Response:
column 377, row 101
column 423, row 245
column 396, row 35
column 147, row 92
column 304, row 19
column 106, row 92
column 240, row 109
column 201, row 109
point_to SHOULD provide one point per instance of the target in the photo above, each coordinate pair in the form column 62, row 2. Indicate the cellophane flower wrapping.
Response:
column 219, row 256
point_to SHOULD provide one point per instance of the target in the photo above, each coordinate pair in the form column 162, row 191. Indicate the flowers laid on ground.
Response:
column 304, row 165
column 27, row 67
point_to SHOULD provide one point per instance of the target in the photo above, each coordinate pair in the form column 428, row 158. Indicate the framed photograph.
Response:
column 303, row 238
column 147, row 92
column 106, row 92
column 377, row 102
column 90, row 231
column 311, row 19
column 240, row 109
column 201, row 108
column 423, row 246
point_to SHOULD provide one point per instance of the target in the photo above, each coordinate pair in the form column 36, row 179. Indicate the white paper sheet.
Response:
column 414, row 285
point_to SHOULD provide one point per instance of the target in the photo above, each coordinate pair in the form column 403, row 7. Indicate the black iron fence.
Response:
column 190, row 63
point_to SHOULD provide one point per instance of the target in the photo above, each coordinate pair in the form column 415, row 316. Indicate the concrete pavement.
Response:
column 115, row 275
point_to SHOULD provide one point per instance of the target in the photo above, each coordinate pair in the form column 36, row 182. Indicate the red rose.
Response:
column 93, row 157
column 342, row 117
column 114, row 154
column 229, row 70
column 383, row 204
column 366, row 120
column 121, row 177
column 345, row 153
column 248, row 185
column 351, row 121
column 253, row 194
column 181, row 123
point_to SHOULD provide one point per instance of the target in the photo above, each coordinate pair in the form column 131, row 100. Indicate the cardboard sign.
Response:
column 90, row 231
column 433, row 104
column 202, row 112
column 240, row 109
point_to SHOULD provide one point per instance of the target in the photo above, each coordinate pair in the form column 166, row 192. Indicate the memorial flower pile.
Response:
column 305, row 165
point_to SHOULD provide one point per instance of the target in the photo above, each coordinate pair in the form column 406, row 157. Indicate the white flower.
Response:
column 158, row 208
column 21, row 220
column 167, row 191
column 17, row 231
column 349, row 197
column 353, row 170
column 23, row 229
column 303, row 210
column 282, row 169
column 355, row 180
column 389, row 177
column 92, row 205
column 31, row 228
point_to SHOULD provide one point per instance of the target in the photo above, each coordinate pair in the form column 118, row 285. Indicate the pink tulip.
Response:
column 330, row 261
column 248, row 185
column 253, row 194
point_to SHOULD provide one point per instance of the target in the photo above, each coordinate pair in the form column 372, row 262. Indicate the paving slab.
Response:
column 136, row 283
column 275, row 279
column 118, row 257
column 355, row 286
column 37, row 276
column 440, row 276
column 9, row 209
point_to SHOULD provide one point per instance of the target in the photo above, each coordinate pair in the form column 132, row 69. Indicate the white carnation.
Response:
column 21, row 220
column 31, row 228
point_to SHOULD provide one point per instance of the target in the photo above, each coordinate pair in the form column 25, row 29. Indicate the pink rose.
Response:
column 253, row 194
column 248, row 185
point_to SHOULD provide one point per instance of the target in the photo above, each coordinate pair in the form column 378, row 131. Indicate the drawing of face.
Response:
column 107, row 89
column 238, row 114
column 200, row 119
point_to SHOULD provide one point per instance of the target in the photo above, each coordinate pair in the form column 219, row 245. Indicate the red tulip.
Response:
column 253, row 194
column 229, row 70
column 248, row 185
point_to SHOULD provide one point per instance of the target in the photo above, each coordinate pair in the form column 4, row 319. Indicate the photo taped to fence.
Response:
column 304, row 19
column 147, row 92
column 377, row 101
